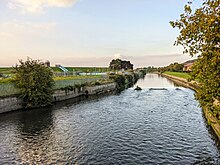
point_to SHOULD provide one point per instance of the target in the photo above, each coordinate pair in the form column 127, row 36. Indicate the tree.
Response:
column 119, row 64
column 200, row 36
column 35, row 82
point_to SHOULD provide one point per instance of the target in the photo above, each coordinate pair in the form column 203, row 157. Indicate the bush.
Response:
column 120, row 82
column 35, row 82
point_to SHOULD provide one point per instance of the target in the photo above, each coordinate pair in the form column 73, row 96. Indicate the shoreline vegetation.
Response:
column 26, row 84
column 182, row 79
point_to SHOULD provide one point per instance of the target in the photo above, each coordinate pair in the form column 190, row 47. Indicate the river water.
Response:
column 162, row 124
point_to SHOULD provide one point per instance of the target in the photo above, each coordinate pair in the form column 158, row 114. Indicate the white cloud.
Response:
column 117, row 55
column 18, row 29
column 38, row 6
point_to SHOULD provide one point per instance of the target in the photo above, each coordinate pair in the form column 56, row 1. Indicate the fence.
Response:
column 10, row 89
column 63, row 83
column 64, row 74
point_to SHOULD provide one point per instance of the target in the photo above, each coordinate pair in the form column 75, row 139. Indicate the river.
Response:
column 161, row 124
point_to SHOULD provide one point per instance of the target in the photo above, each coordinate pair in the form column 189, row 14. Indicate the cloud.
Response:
column 18, row 25
column 20, row 30
column 38, row 6
column 118, row 55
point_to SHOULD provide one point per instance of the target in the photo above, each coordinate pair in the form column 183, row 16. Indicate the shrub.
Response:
column 35, row 82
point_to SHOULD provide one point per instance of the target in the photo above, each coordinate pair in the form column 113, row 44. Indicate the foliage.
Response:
column 174, row 67
column 35, row 82
column 129, row 80
column 150, row 69
column 142, row 72
column 200, row 35
column 118, row 64
column 119, row 80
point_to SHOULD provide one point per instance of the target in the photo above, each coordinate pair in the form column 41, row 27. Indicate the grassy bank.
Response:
column 7, row 87
column 178, row 74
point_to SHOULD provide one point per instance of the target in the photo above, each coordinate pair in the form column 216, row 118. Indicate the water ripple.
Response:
column 135, row 127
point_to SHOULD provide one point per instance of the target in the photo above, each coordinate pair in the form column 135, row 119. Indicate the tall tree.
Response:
column 200, row 36
column 35, row 81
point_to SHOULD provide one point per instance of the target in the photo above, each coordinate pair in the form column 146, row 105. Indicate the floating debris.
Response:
column 138, row 88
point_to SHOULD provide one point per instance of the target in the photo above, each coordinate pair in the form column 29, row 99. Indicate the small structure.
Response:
column 187, row 66
column 47, row 63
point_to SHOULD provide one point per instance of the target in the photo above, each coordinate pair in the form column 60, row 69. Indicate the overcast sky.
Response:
column 90, row 32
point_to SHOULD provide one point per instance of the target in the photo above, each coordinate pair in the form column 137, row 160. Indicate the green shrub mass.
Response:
column 126, row 81
column 200, row 36
column 35, row 82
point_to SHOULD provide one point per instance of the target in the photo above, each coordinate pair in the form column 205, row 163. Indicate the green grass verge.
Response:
column 7, row 87
column 5, row 80
column 6, row 70
column 76, row 77
column 82, row 69
column 178, row 74
column 9, row 70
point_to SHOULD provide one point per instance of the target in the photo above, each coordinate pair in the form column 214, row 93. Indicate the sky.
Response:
column 90, row 32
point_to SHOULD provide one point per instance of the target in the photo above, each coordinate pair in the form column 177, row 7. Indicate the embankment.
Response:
column 13, row 103
column 212, row 120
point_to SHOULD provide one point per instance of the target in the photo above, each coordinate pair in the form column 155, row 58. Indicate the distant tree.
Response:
column 119, row 64
column 35, row 82
column 200, row 35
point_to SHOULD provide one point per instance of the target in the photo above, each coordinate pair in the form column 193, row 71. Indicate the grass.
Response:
column 6, row 70
column 178, row 74
column 7, row 87
column 5, row 81
column 76, row 77
column 9, row 70
column 82, row 69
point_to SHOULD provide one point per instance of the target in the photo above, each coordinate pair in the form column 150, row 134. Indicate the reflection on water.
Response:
column 36, row 138
column 154, row 81
column 135, row 127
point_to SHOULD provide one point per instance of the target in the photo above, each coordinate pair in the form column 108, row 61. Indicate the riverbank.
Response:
column 12, row 103
column 212, row 120
column 70, row 90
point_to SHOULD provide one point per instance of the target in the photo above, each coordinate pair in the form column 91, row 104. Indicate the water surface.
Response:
column 152, row 126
